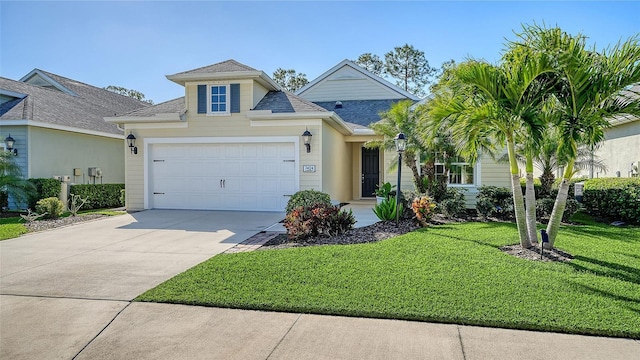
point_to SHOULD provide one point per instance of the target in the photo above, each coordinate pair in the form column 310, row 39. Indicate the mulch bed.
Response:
column 533, row 253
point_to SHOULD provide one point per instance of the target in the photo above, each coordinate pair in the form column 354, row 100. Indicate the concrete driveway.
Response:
column 60, row 288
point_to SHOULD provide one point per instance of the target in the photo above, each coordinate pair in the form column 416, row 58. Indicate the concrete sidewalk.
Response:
column 165, row 331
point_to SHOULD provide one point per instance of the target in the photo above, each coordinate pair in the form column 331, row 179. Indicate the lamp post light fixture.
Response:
column 131, row 141
column 401, row 145
column 306, row 137
column 9, row 142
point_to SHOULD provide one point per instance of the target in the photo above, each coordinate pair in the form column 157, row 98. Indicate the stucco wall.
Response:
column 620, row 148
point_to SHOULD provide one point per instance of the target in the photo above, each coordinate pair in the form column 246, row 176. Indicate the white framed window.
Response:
column 459, row 172
column 218, row 99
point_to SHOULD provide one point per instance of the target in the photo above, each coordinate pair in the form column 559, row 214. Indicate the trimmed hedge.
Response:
column 99, row 196
column 4, row 200
column 613, row 198
column 45, row 188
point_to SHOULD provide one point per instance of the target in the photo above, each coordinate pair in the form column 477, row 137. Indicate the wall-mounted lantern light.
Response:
column 131, row 141
column 306, row 137
column 401, row 145
column 9, row 142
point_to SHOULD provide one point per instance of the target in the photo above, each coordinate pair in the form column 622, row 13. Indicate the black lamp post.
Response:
column 131, row 141
column 9, row 142
column 401, row 144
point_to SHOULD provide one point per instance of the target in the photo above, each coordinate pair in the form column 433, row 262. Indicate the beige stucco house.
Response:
column 235, row 140
column 59, row 129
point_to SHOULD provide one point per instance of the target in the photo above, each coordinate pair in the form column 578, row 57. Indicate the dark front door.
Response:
column 370, row 171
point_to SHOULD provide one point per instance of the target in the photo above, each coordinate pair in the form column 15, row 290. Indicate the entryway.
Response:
column 370, row 171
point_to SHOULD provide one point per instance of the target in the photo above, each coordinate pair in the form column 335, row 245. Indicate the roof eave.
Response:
column 259, row 76
column 329, row 116
column 157, row 118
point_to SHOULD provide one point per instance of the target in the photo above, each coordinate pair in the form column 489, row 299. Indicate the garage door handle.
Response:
column 224, row 183
column 221, row 183
column 289, row 160
column 157, row 193
column 158, row 160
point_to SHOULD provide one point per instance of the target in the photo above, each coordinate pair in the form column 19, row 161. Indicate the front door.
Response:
column 370, row 171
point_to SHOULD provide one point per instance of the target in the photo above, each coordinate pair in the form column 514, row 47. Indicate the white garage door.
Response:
column 252, row 176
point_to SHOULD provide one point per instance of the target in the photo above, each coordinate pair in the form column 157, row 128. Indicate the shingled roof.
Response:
column 225, row 66
column 361, row 113
column 168, row 107
column 84, row 109
column 286, row 102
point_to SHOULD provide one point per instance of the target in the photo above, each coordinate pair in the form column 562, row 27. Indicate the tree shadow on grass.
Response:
column 603, row 232
column 609, row 269
column 592, row 290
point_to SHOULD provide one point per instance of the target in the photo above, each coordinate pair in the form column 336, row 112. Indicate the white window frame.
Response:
column 474, row 173
column 227, row 112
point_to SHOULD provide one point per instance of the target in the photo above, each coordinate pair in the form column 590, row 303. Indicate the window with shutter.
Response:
column 218, row 99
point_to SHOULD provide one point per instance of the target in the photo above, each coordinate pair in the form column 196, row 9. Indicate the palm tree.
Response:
column 11, row 180
column 486, row 106
column 591, row 88
column 400, row 118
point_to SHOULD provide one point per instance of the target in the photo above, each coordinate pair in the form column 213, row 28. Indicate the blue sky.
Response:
column 134, row 44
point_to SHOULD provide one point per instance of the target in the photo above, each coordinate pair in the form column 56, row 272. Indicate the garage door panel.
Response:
column 255, row 176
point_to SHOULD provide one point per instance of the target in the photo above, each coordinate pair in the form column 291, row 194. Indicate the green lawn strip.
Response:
column 450, row 273
column 11, row 228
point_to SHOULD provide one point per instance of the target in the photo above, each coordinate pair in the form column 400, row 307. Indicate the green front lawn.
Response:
column 449, row 273
column 11, row 227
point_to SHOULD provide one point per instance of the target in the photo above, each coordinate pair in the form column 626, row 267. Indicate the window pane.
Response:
column 223, row 89
column 214, row 108
column 214, row 90
column 223, row 107
column 215, row 99
column 223, row 98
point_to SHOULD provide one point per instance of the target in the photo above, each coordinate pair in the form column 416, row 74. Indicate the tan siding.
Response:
column 392, row 176
column 56, row 152
column 494, row 173
column 336, row 159
column 347, row 84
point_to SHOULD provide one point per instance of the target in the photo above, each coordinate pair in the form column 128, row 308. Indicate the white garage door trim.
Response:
column 216, row 140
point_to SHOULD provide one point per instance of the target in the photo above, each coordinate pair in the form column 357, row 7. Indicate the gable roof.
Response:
column 81, row 106
column 226, row 70
column 402, row 94
column 286, row 102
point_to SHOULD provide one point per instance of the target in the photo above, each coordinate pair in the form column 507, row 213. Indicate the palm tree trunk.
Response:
column 558, row 208
column 531, row 202
column 417, row 179
column 518, row 199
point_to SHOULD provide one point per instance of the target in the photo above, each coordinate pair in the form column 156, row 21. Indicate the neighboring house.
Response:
column 59, row 129
column 620, row 150
column 235, row 140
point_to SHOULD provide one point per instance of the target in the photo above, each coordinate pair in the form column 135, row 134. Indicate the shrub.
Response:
column 4, row 200
column 45, row 188
column 453, row 203
column 614, row 198
column 572, row 182
column 52, row 206
column 99, row 196
column 307, row 198
column 423, row 207
column 537, row 187
column 544, row 207
column 495, row 201
column 386, row 210
column 385, row 190
column 570, row 208
column 320, row 219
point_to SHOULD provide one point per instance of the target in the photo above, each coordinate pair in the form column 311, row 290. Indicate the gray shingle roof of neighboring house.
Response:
column 360, row 113
column 168, row 107
column 286, row 102
column 84, row 110
column 225, row 66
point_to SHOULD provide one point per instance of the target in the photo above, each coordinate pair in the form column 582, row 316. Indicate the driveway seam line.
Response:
column 464, row 355
column 101, row 331
column 283, row 337
column 66, row 297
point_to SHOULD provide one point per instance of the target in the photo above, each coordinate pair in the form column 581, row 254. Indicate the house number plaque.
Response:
column 309, row 168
